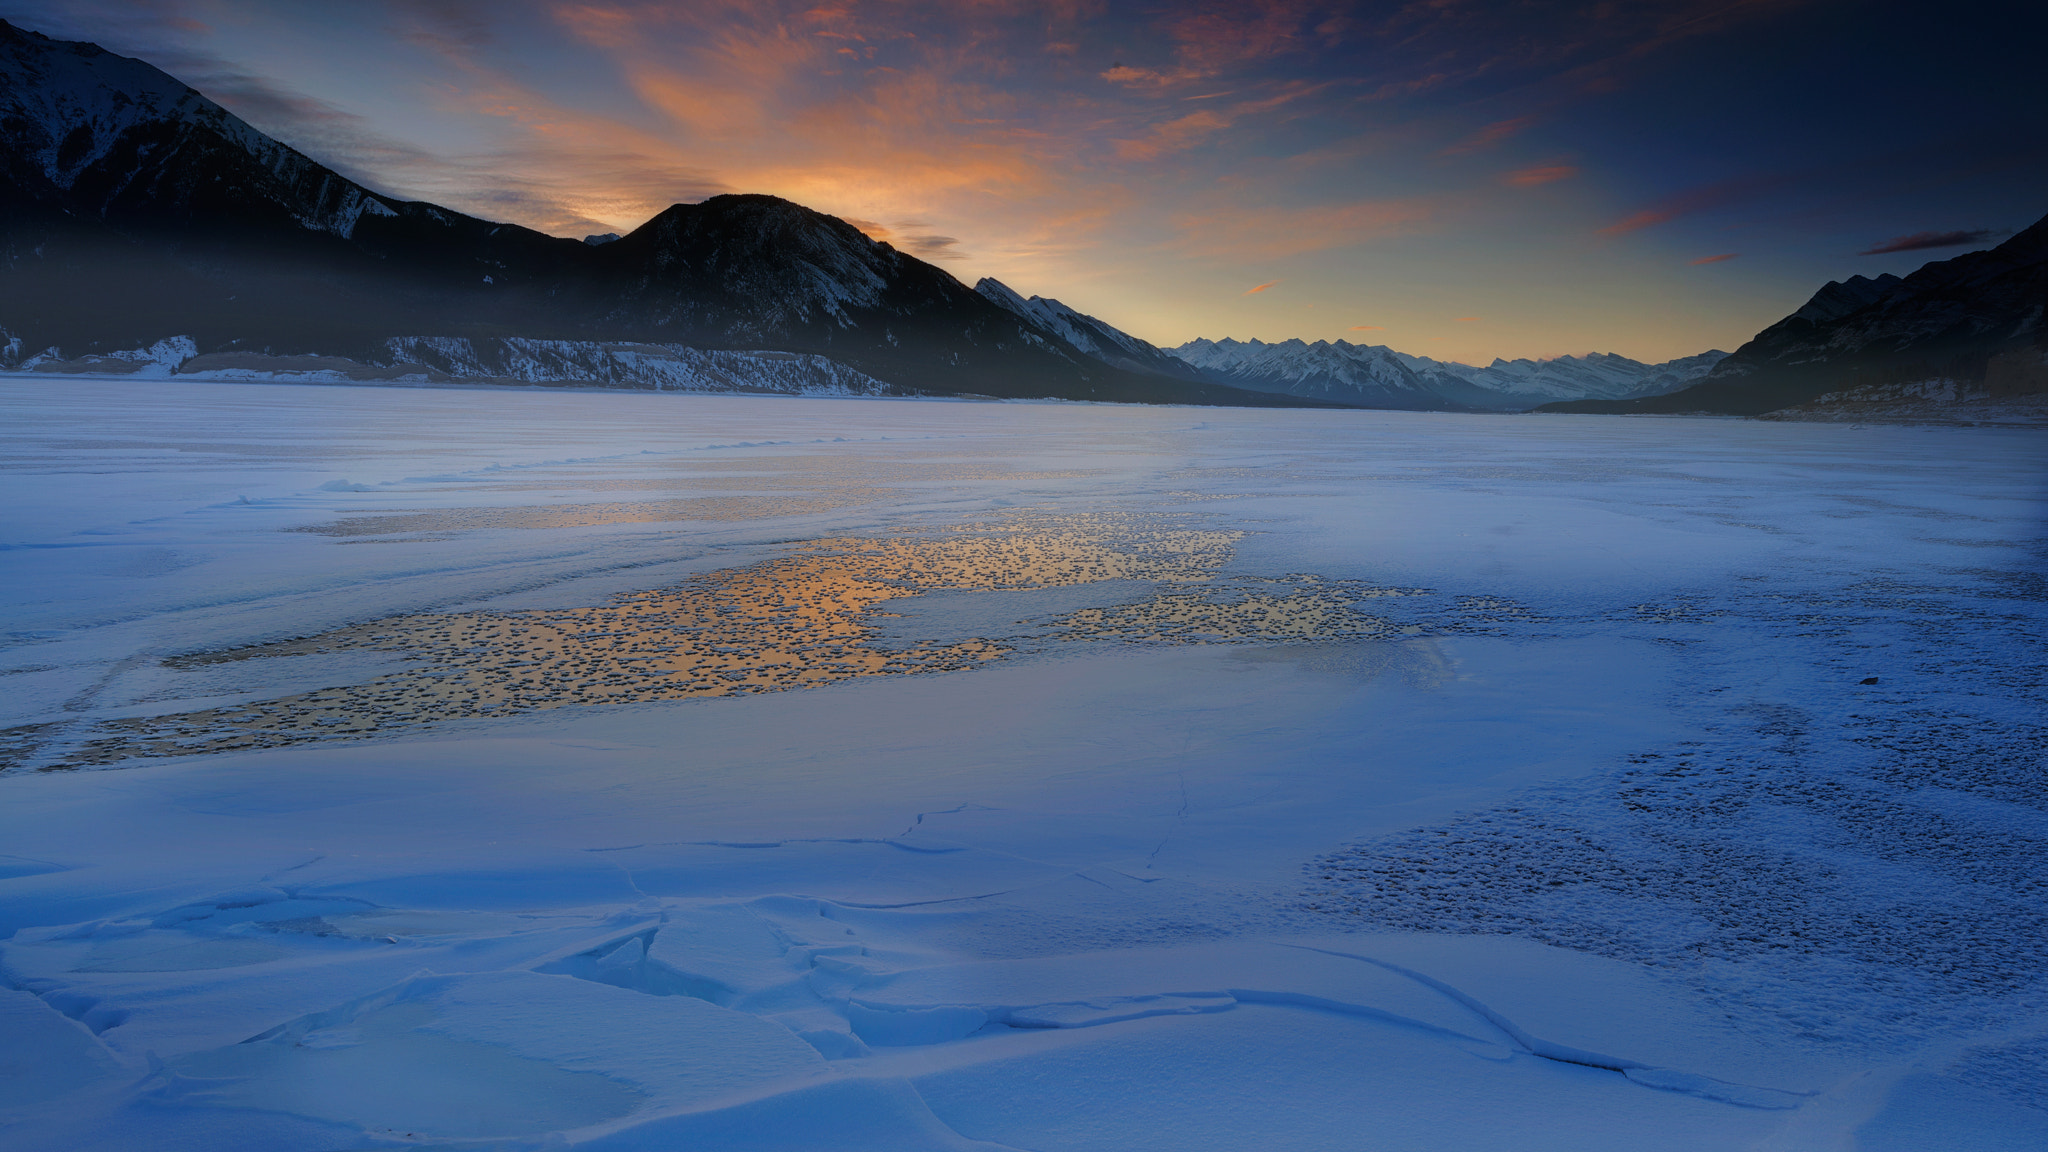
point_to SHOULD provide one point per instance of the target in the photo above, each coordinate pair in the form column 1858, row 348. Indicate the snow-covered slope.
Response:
column 1105, row 343
column 1595, row 374
column 661, row 367
column 1355, row 374
column 78, row 117
column 1379, row 377
column 491, row 360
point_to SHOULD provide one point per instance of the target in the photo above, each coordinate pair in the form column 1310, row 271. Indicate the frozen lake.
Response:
column 475, row 768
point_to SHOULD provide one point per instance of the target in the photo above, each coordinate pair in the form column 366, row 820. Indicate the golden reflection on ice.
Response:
column 1324, row 610
column 797, row 621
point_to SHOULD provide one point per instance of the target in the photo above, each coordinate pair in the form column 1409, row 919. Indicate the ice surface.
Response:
column 1340, row 779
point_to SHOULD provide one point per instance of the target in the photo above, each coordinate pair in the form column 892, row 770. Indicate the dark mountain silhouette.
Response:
column 134, row 209
column 1953, row 320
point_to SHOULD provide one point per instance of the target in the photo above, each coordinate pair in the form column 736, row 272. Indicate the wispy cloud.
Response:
column 457, row 24
column 1692, row 200
column 1256, row 289
column 910, row 236
column 1127, row 156
column 1467, row 319
column 1920, row 241
column 1173, row 136
column 1715, row 259
column 1490, row 135
column 1541, row 174
column 1211, row 38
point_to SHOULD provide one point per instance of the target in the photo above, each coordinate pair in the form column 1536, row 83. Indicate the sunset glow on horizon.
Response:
column 1558, row 169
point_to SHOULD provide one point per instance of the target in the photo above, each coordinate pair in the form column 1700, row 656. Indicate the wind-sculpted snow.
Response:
column 1870, row 863
column 767, row 774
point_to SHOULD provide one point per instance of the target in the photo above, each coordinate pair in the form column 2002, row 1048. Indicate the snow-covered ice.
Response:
column 1319, row 780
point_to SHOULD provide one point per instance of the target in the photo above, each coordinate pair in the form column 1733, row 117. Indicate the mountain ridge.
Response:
column 138, row 210
column 1095, row 337
column 1951, row 320
column 1378, row 376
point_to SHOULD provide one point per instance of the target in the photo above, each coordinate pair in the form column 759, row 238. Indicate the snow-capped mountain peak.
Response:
column 1378, row 376
column 78, row 114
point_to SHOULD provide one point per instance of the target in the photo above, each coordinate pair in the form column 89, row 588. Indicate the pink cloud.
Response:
column 1173, row 136
column 1690, row 201
column 1542, row 174
column 1715, row 259
column 1490, row 135
column 1260, row 288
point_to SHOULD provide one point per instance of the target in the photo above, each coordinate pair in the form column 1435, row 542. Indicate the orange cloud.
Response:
column 601, row 26
column 1216, row 38
column 1173, row 136
column 1148, row 77
column 1690, row 201
column 1715, row 259
column 1490, row 135
column 1639, row 220
column 1467, row 319
column 1220, row 36
column 1396, row 88
column 708, row 109
column 1365, row 328
column 1544, row 174
column 1260, row 288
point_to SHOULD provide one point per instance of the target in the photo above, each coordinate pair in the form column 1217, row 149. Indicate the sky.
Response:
column 1451, row 178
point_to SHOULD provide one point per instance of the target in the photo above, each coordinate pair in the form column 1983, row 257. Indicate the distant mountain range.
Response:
column 1374, row 376
column 1976, row 321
